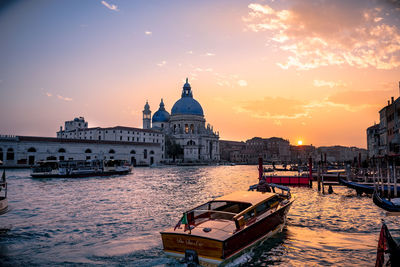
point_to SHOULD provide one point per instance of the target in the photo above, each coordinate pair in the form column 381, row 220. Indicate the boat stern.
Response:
column 208, row 251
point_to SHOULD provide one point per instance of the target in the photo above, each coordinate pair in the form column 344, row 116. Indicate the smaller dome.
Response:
column 161, row 115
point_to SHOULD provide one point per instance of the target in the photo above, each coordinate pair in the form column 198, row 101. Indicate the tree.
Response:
column 173, row 149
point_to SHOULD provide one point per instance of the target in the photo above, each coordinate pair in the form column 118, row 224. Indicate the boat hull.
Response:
column 216, row 252
column 385, row 204
column 288, row 180
column 3, row 205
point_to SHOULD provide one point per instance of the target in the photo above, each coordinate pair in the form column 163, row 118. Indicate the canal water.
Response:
column 115, row 221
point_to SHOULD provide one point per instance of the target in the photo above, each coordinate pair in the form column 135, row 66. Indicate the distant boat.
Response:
column 3, row 194
column 392, row 205
column 221, row 229
column 79, row 168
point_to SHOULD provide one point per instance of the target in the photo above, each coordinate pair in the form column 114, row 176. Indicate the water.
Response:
column 115, row 221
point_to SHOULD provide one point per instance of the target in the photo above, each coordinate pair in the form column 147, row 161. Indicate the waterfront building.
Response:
column 340, row 154
column 25, row 151
column 384, row 138
column 186, row 126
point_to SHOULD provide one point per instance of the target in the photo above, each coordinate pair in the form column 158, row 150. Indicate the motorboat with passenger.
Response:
column 79, row 168
column 220, row 230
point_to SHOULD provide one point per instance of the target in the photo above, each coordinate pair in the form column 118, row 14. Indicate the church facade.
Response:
column 186, row 126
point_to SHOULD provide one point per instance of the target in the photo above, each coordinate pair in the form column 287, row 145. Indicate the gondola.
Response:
column 388, row 245
column 364, row 188
column 385, row 203
column 360, row 188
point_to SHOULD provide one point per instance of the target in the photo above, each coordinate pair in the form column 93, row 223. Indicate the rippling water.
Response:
column 115, row 221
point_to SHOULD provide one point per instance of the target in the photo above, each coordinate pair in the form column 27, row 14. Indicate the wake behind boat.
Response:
column 221, row 229
column 79, row 168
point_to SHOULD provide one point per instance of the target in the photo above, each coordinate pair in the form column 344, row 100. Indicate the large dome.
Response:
column 187, row 105
column 161, row 115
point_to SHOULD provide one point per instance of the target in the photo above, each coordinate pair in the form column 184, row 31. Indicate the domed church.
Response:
column 186, row 126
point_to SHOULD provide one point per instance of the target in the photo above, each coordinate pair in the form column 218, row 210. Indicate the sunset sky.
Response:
column 316, row 71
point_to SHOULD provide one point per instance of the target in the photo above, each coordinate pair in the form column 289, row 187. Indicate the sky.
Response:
column 317, row 71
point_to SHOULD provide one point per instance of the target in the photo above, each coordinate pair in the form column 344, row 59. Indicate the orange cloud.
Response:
column 339, row 33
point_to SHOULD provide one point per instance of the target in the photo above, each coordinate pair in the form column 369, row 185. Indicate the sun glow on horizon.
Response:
column 299, row 143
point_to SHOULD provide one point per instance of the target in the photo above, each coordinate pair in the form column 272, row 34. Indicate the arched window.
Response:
column 10, row 154
column 191, row 143
column 88, row 151
column 32, row 149
column 145, row 154
column 133, row 152
column 186, row 128
column 191, row 128
column 61, row 150
column 151, row 152
column 112, row 151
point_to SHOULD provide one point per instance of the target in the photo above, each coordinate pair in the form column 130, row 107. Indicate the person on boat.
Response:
column 263, row 186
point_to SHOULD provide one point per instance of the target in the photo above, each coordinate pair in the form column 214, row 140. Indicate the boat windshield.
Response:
column 218, row 210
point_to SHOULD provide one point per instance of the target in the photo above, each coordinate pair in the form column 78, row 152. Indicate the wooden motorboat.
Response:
column 386, row 204
column 79, row 168
column 3, row 194
column 221, row 229
column 387, row 245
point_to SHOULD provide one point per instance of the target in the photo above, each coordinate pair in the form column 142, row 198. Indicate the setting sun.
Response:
column 299, row 143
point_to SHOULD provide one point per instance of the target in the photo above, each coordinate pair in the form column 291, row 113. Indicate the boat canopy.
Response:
column 246, row 197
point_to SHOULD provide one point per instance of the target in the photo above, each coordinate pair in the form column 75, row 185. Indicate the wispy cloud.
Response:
column 242, row 83
column 110, row 6
column 148, row 33
column 342, row 32
column 331, row 84
column 209, row 54
column 64, row 98
column 190, row 52
column 49, row 94
column 162, row 63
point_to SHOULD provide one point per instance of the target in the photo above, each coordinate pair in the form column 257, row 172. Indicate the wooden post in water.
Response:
column 310, row 171
column 388, row 177
column 260, row 168
column 322, row 182
column 319, row 178
column 394, row 178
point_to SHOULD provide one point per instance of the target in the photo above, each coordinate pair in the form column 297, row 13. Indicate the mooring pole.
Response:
column 319, row 178
column 388, row 176
column 394, row 177
column 310, row 171
column 260, row 168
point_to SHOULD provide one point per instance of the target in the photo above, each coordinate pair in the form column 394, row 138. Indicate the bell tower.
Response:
column 146, row 116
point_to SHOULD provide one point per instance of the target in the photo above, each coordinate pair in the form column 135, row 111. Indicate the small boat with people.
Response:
column 3, row 194
column 79, row 168
column 218, row 231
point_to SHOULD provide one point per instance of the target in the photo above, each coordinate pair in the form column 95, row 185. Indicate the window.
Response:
column 88, row 151
column 120, row 138
column 145, row 154
column 32, row 149
column 133, row 152
column 112, row 151
column 151, row 152
column 1, row 154
column 186, row 128
column 128, row 138
column 10, row 154
column 99, row 137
